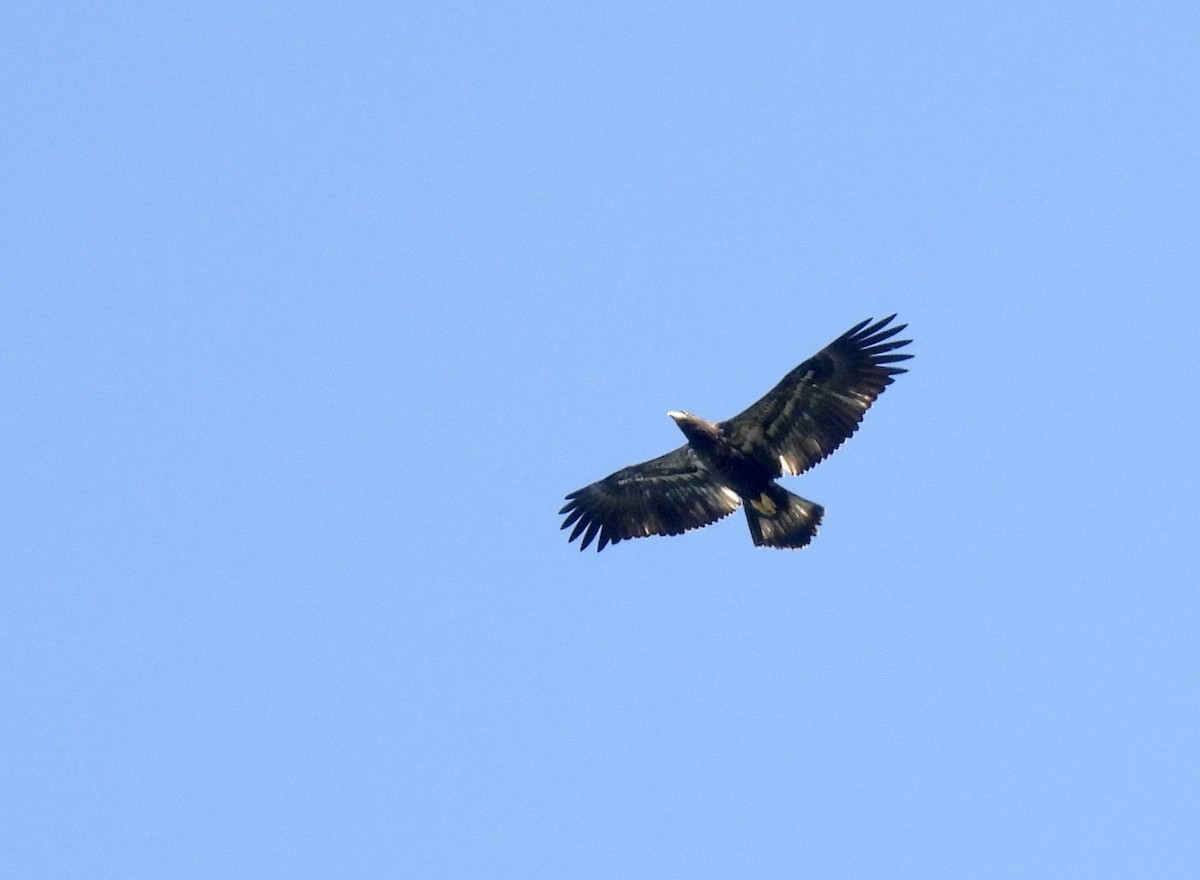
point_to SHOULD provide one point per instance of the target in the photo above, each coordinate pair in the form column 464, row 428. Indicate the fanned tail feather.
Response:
column 782, row 519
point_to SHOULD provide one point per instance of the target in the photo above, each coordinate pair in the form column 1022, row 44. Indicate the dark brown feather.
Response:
column 667, row 495
column 818, row 405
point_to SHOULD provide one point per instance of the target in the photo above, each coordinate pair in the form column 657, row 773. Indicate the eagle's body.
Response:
column 804, row 418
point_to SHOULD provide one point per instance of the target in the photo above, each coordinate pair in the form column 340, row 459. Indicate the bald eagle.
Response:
column 723, row 465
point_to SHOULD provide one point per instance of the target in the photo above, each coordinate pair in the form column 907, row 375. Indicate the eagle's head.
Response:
column 693, row 426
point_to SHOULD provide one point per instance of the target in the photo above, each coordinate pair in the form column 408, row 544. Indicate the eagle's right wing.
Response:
column 667, row 495
column 819, row 404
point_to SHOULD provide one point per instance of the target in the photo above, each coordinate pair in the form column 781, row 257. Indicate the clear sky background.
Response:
column 312, row 314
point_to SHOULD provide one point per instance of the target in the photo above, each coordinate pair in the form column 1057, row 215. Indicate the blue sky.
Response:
column 315, row 312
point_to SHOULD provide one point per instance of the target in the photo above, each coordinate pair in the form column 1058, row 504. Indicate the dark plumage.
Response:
column 800, row 421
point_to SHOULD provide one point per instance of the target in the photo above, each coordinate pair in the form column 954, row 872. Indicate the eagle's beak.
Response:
column 677, row 415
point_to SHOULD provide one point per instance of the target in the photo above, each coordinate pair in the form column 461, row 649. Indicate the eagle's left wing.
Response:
column 667, row 495
column 818, row 405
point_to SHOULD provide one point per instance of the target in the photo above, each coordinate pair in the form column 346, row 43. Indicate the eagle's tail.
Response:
column 779, row 518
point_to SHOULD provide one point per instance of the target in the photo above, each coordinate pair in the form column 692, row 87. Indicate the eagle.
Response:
column 725, row 465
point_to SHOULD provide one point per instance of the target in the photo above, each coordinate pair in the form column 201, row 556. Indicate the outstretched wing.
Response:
column 818, row 405
column 664, row 496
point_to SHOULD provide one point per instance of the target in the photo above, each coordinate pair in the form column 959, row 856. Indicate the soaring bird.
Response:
column 723, row 465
